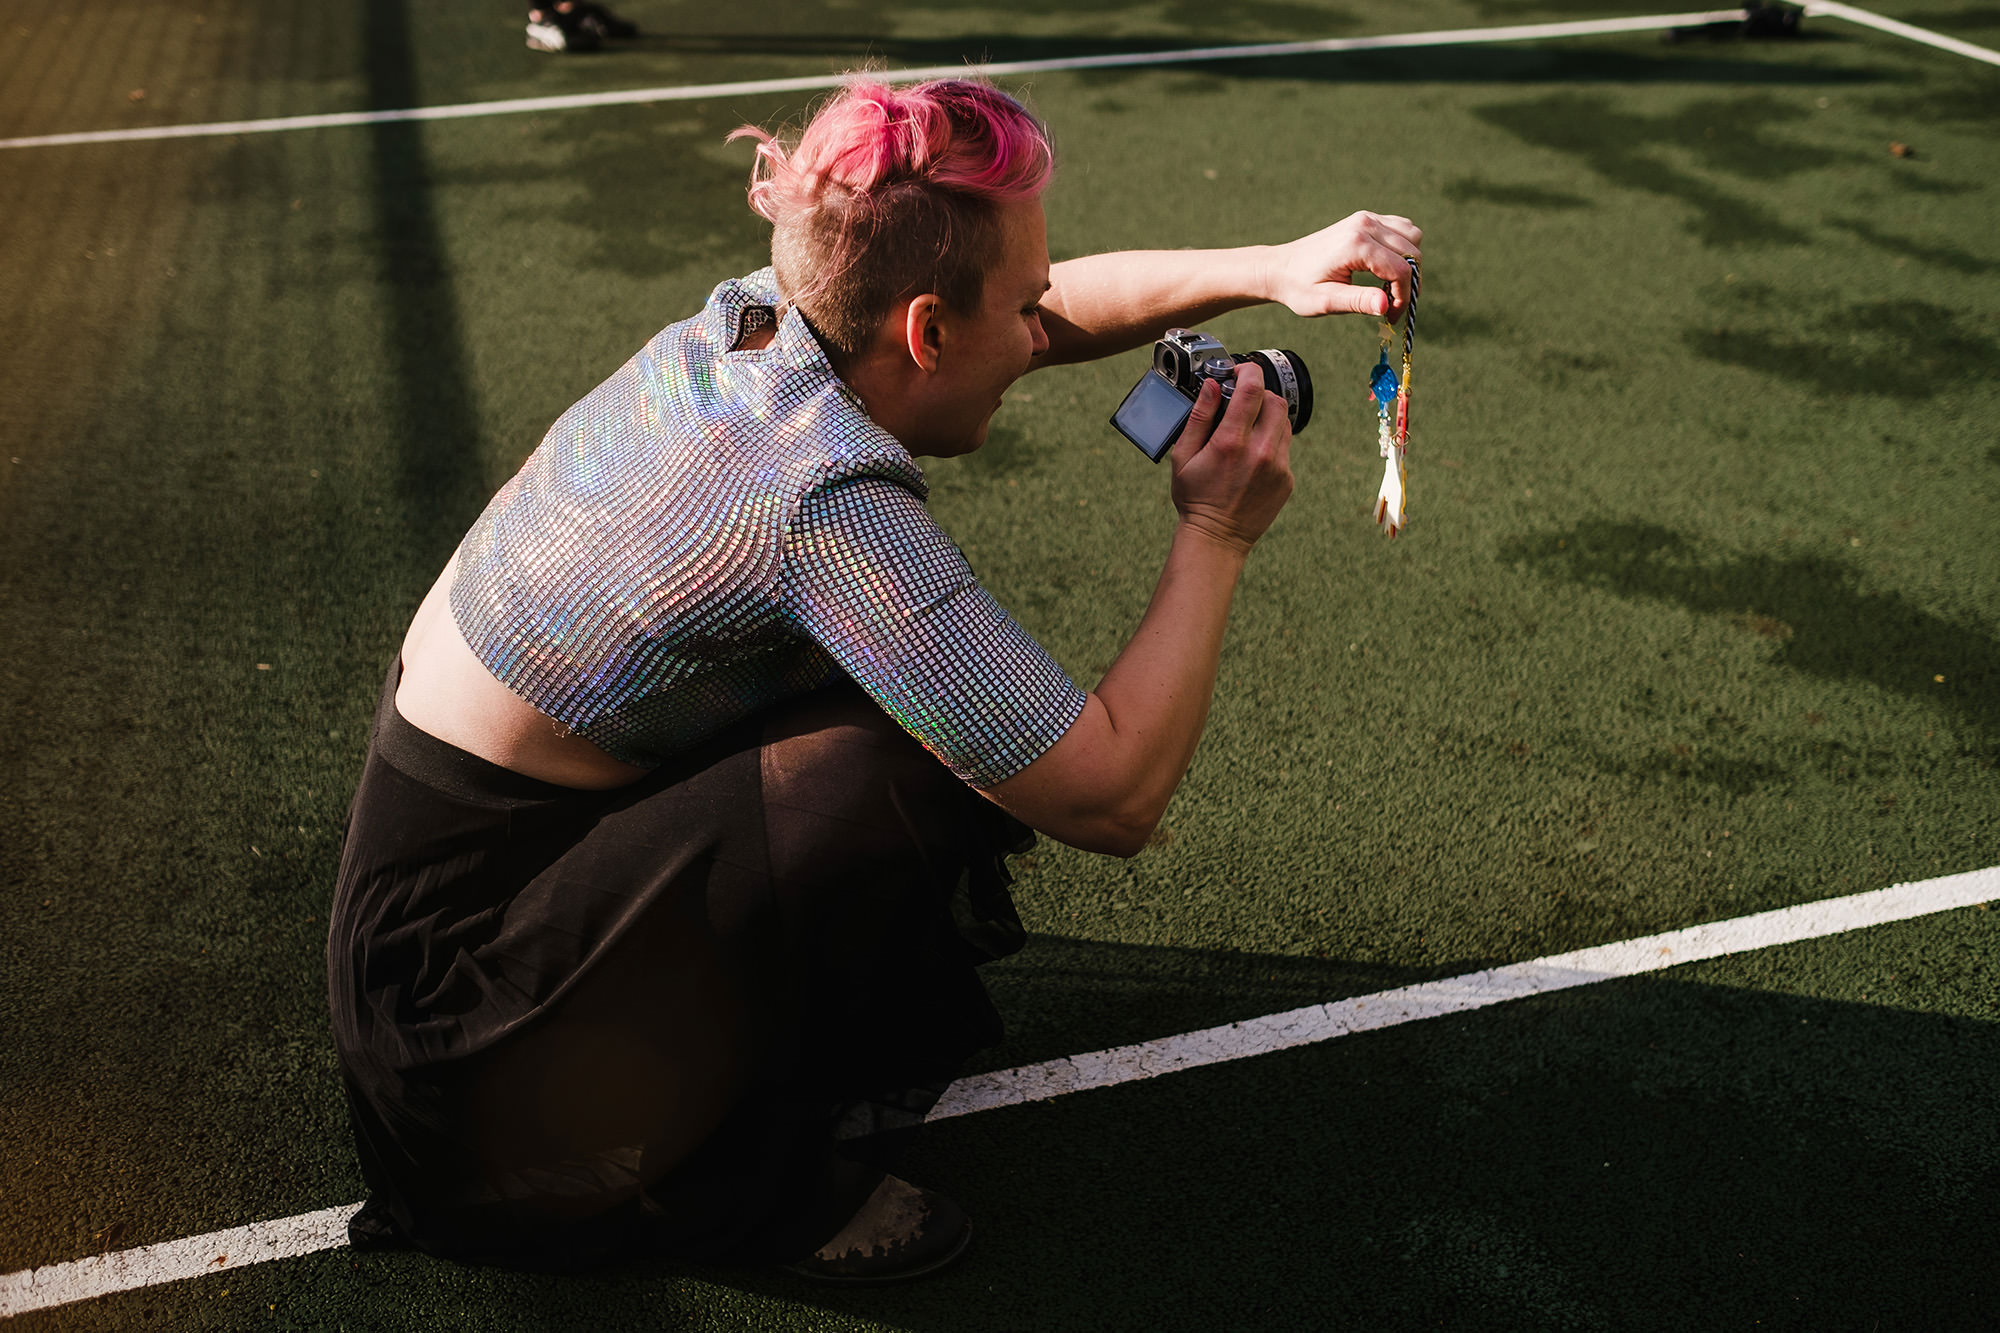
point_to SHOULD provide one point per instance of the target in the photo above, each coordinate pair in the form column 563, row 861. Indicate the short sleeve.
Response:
column 871, row 577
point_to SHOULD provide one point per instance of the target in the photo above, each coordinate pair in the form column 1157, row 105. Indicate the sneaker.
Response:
column 900, row 1233
column 558, row 33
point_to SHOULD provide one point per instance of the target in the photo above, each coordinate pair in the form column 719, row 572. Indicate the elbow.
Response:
column 1104, row 835
column 1105, row 842
column 1123, row 835
column 1127, row 848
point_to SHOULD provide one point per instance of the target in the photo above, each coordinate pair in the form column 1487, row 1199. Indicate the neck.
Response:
column 889, row 383
column 873, row 375
column 892, row 385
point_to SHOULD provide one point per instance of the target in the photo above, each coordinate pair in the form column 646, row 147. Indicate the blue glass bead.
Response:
column 1383, row 383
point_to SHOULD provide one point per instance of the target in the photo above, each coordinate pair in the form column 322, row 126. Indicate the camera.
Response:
column 1158, row 406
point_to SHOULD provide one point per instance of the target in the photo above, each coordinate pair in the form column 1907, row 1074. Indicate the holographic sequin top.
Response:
column 709, row 532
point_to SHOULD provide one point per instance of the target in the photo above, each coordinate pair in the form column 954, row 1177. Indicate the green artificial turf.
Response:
column 1703, row 507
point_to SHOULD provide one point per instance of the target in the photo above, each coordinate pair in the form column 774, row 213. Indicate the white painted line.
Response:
column 1458, row 995
column 1527, row 32
column 1833, row 9
column 170, row 1261
column 288, row 1237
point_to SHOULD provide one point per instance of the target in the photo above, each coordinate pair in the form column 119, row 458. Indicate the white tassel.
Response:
column 1389, row 500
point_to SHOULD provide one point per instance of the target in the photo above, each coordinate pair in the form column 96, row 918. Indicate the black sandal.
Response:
column 902, row 1232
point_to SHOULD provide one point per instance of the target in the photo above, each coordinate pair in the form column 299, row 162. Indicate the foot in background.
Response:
column 558, row 33
column 571, row 26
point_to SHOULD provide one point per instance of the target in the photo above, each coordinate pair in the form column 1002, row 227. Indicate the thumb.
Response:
column 1199, row 425
column 1349, row 299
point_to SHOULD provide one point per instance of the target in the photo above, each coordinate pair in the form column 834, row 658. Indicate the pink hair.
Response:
column 891, row 192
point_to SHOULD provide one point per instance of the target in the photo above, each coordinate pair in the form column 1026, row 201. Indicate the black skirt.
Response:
column 680, row 1018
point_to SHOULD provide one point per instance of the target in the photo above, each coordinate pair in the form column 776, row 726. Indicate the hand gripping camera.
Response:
column 1158, row 406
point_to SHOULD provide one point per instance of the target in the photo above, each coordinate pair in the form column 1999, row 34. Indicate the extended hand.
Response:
column 1314, row 274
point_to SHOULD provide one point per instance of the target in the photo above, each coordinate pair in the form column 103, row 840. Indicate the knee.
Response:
column 844, row 784
column 839, row 742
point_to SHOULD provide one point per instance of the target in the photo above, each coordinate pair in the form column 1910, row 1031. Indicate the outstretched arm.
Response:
column 1103, row 304
column 1105, row 784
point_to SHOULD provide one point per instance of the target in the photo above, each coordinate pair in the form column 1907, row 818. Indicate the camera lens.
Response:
column 1285, row 374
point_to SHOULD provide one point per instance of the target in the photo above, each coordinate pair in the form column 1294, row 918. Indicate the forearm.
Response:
column 1105, row 784
column 1103, row 304
column 1156, row 695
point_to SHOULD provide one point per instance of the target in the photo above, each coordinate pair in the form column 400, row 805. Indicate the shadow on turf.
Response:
column 1649, row 1153
column 1473, row 63
column 1652, row 1153
column 441, row 478
column 1474, row 189
column 1896, row 349
column 1729, row 136
column 645, row 191
column 1814, row 611
column 1903, row 348
column 1948, row 257
column 1059, row 991
column 1967, row 101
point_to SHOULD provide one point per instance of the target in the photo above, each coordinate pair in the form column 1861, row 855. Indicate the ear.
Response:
column 923, row 330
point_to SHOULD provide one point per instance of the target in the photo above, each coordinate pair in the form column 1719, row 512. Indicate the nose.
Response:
column 1041, row 343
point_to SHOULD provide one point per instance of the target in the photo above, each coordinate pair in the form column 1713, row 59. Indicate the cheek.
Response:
column 1024, row 347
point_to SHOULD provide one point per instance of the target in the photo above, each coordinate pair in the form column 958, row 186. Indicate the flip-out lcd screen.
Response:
column 1152, row 415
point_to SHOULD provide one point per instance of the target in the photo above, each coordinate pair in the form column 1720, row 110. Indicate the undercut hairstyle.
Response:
column 891, row 193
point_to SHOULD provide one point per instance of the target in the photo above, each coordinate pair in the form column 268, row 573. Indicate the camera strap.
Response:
column 1392, row 414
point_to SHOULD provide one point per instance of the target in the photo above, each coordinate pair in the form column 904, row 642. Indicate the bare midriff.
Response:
column 447, row 692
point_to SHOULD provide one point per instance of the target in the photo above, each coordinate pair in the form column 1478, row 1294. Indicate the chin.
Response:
column 965, row 444
column 946, row 448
